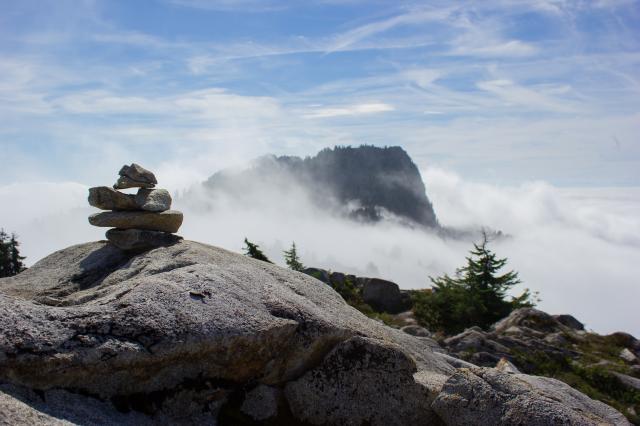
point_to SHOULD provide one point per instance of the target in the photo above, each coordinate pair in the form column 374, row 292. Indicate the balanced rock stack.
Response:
column 141, row 221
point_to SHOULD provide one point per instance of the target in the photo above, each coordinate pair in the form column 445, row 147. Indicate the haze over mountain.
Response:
column 365, row 183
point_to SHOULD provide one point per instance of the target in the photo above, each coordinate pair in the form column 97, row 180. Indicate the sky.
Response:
column 522, row 115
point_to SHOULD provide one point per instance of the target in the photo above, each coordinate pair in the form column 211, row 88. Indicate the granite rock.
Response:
column 364, row 381
column 184, row 320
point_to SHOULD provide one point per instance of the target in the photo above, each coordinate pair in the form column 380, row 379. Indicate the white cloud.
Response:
column 577, row 246
column 349, row 110
column 510, row 49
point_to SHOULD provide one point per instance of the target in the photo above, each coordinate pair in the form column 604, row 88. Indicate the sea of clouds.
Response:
column 578, row 247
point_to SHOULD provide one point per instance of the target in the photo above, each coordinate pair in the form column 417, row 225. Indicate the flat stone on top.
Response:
column 168, row 221
column 138, row 173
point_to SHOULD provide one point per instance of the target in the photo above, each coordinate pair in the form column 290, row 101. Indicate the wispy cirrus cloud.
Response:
column 414, row 17
column 348, row 110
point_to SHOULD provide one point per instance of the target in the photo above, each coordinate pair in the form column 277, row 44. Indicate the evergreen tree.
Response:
column 5, row 256
column 292, row 259
column 17, row 264
column 10, row 258
column 252, row 250
column 475, row 296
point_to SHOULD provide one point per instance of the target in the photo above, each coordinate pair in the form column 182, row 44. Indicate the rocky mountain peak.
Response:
column 365, row 182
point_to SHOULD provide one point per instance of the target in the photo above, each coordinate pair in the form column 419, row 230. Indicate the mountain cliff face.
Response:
column 366, row 183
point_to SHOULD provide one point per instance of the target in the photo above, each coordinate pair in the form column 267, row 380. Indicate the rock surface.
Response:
column 106, row 198
column 168, row 221
column 193, row 334
column 358, row 377
column 483, row 396
column 186, row 326
column 627, row 355
column 153, row 200
column 262, row 402
column 537, row 343
column 139, row 239
column 22, row 406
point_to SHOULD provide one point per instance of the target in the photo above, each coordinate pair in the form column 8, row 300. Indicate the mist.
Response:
column 577, row 247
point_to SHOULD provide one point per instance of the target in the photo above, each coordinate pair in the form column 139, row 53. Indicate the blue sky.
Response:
column 498, row 91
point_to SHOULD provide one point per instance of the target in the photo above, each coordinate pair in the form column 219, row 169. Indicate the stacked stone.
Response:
column 141, row 221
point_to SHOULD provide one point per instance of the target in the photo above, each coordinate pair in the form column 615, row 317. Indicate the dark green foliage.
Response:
column 475, row 296
column 292, row 259
column 252, row 250
column 349, row 292
column 11, row 262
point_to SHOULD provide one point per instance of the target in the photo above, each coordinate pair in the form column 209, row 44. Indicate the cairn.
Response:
column 140, row 221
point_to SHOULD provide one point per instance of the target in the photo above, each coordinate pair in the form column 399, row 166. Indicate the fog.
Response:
column 577, row 247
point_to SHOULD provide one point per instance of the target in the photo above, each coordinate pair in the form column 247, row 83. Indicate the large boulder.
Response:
column 486, row 396
column 385, row 296
column 193, row 334
column 190, row 326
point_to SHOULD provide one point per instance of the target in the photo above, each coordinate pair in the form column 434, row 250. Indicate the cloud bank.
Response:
column 577, row 247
